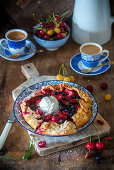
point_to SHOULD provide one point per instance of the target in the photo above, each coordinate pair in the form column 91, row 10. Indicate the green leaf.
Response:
column 24, row 157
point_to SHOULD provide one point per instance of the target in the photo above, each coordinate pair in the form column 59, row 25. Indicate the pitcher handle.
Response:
column 107, row 55
column 1, row 40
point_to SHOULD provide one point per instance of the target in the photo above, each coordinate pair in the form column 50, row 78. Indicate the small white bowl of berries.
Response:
column 52, row 32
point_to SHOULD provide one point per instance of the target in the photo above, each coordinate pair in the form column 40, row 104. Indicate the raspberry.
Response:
column 104, row 86
column 89, row 88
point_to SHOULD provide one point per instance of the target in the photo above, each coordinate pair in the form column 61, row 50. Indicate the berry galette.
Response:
column 56, row 110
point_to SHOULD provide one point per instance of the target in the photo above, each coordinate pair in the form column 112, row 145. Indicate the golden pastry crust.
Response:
column 33, row 119
column 54, row 129
column 81, row 117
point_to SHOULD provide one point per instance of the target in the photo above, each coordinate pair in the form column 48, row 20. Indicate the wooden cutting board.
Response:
column 54, row 144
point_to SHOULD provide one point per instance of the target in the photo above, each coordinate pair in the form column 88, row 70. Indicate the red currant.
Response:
column 89, row 88
column 42, row 32
column 63, row 24
column 42, row 144
column 43, row 24
column 57, row 18
column 46, row 37
column 99, row 145
column 90, row 145
column 59, row 35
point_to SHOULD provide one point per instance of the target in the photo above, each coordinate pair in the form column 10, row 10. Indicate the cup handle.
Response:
column 3, row 39
column 107, row 54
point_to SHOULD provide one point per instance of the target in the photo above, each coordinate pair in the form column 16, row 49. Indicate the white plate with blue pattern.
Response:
column 35, row 87
column 77, row 65
column 29, row 47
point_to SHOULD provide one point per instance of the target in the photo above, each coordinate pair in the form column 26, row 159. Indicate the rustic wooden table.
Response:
column 48, row 63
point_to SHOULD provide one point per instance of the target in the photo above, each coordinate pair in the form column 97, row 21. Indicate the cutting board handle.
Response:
column 29, row 71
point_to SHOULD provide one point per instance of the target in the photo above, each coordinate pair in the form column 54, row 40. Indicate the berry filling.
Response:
column 68, row 101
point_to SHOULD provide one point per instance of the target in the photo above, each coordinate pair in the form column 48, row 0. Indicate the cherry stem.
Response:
column 35, row 18
column 97, row 132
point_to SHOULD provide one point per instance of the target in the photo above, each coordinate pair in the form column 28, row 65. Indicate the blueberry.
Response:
column 66, row 110
column 61, row 121
column 72, row 106
column 57, row 92
column 63, row 97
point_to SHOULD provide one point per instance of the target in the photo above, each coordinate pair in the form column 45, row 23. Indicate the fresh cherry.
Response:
column 46, row 37
column 104, row 86
column 42, row 144
column 42, row 32
column 99, row 145
column 52, row 28
column 43, row 24
column 40, row 36
column 89, row 88
column 62, row 29
column 57, row 18
column 50, row 23
column 63, row 24
column 90, row 145
column 59, row 35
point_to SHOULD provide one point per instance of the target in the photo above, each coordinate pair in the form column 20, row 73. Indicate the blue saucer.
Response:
column 29, row 47
column 77, row 65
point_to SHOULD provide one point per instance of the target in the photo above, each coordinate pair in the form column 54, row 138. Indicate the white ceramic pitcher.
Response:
column 91, row 21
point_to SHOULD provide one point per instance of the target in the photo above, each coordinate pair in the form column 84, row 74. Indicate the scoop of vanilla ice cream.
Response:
column 49, row 104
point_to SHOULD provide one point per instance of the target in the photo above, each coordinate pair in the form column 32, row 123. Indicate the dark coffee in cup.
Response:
column 90, row 49
column 16, row 35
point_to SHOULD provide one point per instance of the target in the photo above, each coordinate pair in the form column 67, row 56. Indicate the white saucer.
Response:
column 29, row 47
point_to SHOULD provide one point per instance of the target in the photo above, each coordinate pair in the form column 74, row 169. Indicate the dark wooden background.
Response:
column 18, row 14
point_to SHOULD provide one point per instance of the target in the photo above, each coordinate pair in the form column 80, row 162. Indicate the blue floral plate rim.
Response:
column 36, row 86
column 76, row 60
column 29, row 44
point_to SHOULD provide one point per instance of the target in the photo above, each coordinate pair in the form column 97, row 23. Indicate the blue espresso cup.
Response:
column 15, row 46
column 94, row 59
